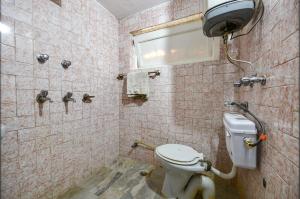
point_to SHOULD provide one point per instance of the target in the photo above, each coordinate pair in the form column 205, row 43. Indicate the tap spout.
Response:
column 250, row 81
column 68, row 98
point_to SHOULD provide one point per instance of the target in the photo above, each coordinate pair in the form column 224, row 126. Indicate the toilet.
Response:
column 185, row 168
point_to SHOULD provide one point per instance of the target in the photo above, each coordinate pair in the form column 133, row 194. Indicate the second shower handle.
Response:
column 87, row 98
column 42, row 97
column 68, row 98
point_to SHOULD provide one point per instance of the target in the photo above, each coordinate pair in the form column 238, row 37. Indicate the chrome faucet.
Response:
column 250, row 81
column 87, row 98
column 68, row 98
column 41, row 98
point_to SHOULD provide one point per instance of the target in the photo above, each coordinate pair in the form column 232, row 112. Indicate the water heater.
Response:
column 231, row 16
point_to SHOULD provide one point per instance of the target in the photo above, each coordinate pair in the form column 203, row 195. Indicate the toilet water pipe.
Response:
column 142, row 144
column 226, row 176
column 261, row 130
column 199, row 183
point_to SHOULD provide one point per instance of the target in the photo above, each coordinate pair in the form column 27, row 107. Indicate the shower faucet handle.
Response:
column 66, row 64
column 250, row 81
column 68, row 97
column 87, row 98
column 42, row 97
column 42, row 58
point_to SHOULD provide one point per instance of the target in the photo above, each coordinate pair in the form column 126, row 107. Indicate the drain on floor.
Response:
column 113, row 180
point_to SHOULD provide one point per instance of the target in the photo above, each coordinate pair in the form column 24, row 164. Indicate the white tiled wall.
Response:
column 41, row 157
column 186, row 101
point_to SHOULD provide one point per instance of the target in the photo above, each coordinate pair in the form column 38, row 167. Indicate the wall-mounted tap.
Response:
column 42, row 58
column 250, row 81
column 41, row 98
column 66, row 64
column 87, row 98
column 68, row 98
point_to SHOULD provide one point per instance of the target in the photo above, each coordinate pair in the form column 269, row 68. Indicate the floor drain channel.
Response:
column 113, row 180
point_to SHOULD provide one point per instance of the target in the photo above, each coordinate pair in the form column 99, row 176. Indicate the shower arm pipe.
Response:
column 232, row 60
column 226, row 176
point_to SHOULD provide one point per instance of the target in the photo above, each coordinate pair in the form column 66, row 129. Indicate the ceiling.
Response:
column 124, row 8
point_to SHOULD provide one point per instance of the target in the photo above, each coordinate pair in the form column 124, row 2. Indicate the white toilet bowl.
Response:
column 181, row 163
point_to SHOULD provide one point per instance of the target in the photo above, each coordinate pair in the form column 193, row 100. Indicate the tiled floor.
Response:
column 124, row 181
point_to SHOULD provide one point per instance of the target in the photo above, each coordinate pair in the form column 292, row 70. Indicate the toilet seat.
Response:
column 179, row 154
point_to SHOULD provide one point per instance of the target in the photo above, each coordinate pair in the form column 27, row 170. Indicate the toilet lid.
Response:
column 179, row 154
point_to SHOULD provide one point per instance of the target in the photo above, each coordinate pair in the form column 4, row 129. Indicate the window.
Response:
column 180, row 44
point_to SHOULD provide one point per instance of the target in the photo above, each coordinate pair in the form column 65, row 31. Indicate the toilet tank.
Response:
column 237, row 128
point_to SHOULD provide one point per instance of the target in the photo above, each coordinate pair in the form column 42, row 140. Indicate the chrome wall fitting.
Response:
column 41, row 98
column 87, row 98
column 250, row 81
column 68, row 98
column 42, row 58
column 66, row 64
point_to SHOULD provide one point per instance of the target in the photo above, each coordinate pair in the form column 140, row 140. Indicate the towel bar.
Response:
column 151, row 74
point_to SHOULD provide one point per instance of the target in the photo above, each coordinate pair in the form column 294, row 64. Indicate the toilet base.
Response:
column 186, row 186
column 175, row 182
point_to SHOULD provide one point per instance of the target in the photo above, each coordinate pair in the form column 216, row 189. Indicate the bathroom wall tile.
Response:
column 276, row 187
column 294, row 182
column 41, row 70
column 8, row 96
column 290, row 22
column 43, row 27
column 16, row 123
column 24, row 5
column 277, row 102
column 9, row 187
column 24, row 82
column 10, row 145
column 41, row 84
column 290, row 146
column 23, row 29
column 7, row 52
column 27, row 147
column 17, row 68
column 290, row 48
column 45, row 118
column 9, row 9
column 295, row 131
column 24, row 50
column 25, row 102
